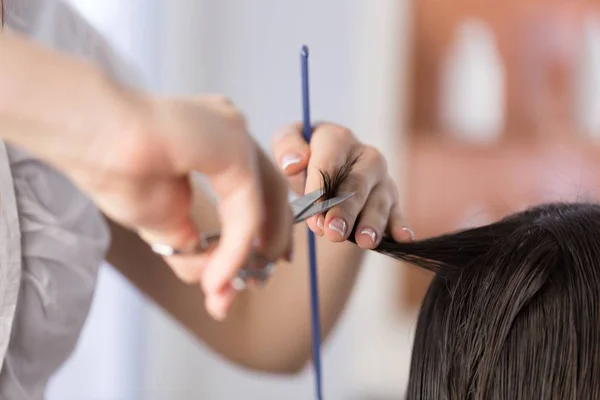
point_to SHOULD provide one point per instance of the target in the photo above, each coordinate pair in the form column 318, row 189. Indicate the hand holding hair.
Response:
column 334, row 150
column 512, row 312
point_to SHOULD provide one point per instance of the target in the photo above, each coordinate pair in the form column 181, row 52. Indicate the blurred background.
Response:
column 481, row 109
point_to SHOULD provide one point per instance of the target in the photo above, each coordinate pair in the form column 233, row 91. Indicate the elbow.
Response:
column 289, row 367
column 292, row 367
column 283, row 363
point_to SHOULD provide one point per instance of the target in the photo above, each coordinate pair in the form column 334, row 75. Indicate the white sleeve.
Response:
column 56, row 24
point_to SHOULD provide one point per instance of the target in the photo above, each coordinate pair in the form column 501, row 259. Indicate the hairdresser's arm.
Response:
column 51, row 104
column 269, row 328
column 132, row 154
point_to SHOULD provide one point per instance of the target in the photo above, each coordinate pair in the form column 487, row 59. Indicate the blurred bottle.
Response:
column 586, row 79
column 473, row 85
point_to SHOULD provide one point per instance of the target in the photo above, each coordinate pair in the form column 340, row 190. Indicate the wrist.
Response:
column 111, row 135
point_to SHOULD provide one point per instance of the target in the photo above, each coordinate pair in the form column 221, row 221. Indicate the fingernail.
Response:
column 290, row 159
column 320, row 221
column 410, row 232
column 338, row 225
column 370, row 233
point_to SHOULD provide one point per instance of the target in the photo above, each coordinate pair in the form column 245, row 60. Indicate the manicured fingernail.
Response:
column 290, row 159
column 338, row 225
column 320, row 221
column 370, row 233
column 410, row 232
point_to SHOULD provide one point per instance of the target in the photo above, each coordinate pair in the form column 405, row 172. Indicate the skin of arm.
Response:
column 268, row 327
column 54, row 106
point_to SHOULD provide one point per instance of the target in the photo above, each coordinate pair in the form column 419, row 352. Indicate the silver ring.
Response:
column 247, row 274
column 168, row 250
column 257, row 269
column 201, row 246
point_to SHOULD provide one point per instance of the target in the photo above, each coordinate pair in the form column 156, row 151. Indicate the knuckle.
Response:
column 374, row 156
column 222, row 99
column 237, row 119
column 379, row 204
column 216, row 99
column 340, row 132
column 282, row 136
column 359, row 184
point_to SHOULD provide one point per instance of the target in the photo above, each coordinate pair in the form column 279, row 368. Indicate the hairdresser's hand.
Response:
column 140, row 178
column 373, row 209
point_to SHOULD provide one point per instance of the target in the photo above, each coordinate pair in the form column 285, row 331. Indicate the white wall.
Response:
column 249, row 50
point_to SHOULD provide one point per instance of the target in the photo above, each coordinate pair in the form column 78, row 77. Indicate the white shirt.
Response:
column 52, row 238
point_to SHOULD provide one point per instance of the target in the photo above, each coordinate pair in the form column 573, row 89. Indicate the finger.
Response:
column 398, row 227
column 373, row 219
column 291, row 153
column 188, row 268
column 241, row 211
column 365, row 176
column 297, row 182
column 331, row 146
column 175, row 228
column 276, row 232
column 219, row 304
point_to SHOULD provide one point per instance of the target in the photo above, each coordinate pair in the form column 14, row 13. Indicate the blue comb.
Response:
column 312, row 250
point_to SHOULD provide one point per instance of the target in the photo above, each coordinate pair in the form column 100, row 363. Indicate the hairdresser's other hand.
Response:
column 373, row 209
column 140, row 178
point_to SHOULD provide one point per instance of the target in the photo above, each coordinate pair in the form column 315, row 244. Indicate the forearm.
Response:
column 280, row 312
column 53, row 105
column 267, row 328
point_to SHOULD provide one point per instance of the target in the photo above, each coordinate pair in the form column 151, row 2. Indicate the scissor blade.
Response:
column 319, row 208
column 303, row 203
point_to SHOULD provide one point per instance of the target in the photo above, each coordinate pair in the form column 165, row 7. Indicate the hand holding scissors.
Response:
column 258, row 268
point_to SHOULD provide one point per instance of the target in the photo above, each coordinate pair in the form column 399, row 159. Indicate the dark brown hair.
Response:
column 513, row 311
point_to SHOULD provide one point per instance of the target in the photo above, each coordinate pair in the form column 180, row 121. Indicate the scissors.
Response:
column 303, row 208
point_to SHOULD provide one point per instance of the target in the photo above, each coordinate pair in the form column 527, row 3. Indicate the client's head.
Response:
column 513, row 311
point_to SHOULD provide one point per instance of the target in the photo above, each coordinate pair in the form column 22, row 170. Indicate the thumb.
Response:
column 241, row 211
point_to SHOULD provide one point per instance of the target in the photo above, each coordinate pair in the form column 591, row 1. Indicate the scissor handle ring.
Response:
column 257, row 268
